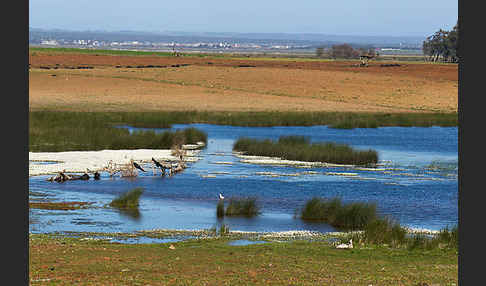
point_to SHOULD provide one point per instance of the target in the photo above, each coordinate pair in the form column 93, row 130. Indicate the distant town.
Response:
column 255, row 43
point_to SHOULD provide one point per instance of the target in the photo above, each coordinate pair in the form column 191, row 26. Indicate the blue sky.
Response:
column 349, row 17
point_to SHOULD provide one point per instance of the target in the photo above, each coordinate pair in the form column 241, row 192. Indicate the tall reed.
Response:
column 242, row 207
column 128, row 200
column 385, row 231
column 164, row 119
column 299, row 148
column 351, row 216
column 78, row 131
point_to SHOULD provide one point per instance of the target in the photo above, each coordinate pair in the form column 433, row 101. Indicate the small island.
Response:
column 300, row 148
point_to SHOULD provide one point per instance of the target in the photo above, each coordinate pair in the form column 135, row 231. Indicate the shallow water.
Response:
column 244, row 242
column 416, row 184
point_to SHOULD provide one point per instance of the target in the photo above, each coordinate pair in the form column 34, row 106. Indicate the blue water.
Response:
column 416, row 184
column 244, row 242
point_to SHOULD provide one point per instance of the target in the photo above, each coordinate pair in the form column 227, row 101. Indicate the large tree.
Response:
column 442, row 45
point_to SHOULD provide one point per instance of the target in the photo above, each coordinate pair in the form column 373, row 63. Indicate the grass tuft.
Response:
column 385, row 231
column 242, row 207
column 352, row 216
column 128, row 200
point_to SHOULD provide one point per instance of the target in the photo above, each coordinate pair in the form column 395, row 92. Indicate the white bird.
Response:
column 345, row 246
column 221, row 196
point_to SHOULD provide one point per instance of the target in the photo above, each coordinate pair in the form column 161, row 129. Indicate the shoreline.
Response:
column 186, row 234
column 81, row 161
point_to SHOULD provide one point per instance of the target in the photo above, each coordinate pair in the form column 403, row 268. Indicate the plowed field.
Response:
column 98, row 82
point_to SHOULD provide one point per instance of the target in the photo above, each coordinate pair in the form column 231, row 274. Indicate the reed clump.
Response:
column 299, row 148
column 351, row 216
column 446, row 238
column 385, row 231
column 82, row 131
column 388, row 232
column 247, row 207
column 128, row 200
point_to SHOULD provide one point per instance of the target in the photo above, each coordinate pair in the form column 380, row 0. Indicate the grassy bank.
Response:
column 374, row 230
column 300, row 149
column 77, row 131
column 333, row 119
column 68, row 261
column 164, row 119
column 63, row 131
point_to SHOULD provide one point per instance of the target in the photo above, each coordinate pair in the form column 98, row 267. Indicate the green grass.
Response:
column 247, row 207
column 98, row 51
column 51, row 131
column 351, row 216
column 300, row 149
column 57, row 260
column 342, row 120
column 375, row 230
column 80, row 131
column 385, row 231
column 446, row 238
column 128, row 200
column 34, row 49
column 164, row 119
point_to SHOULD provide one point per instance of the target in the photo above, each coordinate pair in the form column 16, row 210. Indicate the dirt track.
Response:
column 193, row 83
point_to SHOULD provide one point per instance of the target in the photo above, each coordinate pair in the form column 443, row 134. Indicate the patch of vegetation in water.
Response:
column 351, row 216
column 299, row 148
column 247, row 207
column 128, row 200
column 59, row 205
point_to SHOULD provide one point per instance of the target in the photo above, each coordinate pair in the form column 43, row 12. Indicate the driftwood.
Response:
column 168, row 168
column 129, row 169
column 62, row 177
column 125, row 170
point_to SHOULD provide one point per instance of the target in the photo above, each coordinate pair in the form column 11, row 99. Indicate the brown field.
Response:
column 220, row 84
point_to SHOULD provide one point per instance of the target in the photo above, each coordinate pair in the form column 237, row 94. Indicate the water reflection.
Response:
column 131, row 213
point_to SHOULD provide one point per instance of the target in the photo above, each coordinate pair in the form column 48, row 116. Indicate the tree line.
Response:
column 442, row 46
column 344, row 51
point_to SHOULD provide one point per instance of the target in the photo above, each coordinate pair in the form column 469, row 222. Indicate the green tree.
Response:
column 442, row 45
